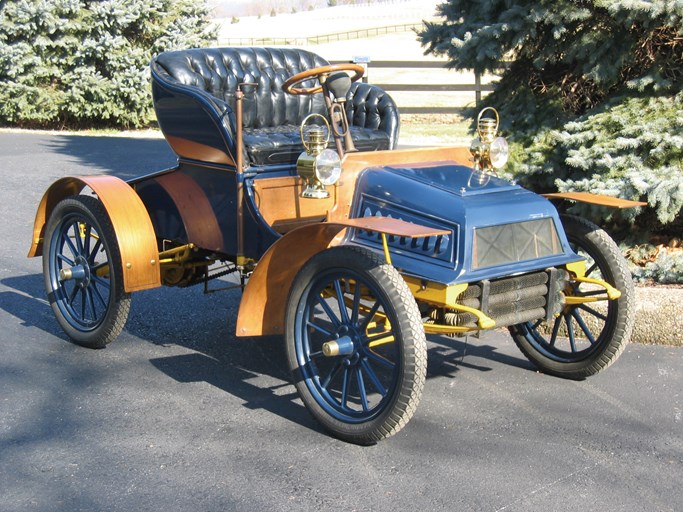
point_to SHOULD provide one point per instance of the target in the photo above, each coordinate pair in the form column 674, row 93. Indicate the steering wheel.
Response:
column 289, row 85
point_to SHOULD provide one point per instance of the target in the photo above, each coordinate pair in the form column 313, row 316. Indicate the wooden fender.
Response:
column 262, row 309
column 132, row 225
column 599, row 199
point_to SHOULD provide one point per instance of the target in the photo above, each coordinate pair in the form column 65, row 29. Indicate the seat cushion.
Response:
column 195, row 90
column 218, row 71
column 282, row 144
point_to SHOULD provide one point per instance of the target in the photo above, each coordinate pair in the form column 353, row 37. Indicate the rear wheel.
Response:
column 82, row 272
column 586, row 337
column 355, row 344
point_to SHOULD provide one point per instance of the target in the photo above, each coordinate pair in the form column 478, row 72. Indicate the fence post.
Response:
column 477, row 85
column 363, row 61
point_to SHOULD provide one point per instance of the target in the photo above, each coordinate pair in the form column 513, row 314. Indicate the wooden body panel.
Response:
column 279, row 202
column 354, row 163
column 280, row 205
column 198, row 151
column 262, row 309
column 197, row 215
column 599, row 199
column 134, row 231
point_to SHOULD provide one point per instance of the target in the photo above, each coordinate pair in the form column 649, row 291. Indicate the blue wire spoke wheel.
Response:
column 82, row 272
column 584, row 338
column 355, row 344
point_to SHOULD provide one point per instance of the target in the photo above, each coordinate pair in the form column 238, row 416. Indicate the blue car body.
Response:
column 496, row 228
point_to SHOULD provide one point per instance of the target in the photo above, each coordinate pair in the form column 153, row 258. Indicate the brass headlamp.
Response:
column 489, row 152
column 318, row 166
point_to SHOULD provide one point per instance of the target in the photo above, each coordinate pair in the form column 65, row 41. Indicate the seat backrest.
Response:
column 219, row 71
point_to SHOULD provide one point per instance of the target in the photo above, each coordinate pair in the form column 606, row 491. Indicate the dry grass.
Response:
column 401, row 46
column 434, row 130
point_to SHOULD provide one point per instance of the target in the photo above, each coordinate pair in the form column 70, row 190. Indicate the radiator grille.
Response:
column 511, row 243
column 511, row 300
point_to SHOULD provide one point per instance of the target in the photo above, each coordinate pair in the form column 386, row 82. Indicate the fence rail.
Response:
column 320, row 39
column 477, row 87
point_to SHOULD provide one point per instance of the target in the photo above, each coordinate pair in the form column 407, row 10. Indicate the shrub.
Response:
column 75, row 64
column 631, row 147
column 663, row 264
column 590, row 95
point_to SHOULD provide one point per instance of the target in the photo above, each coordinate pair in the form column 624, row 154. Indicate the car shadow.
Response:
column 27, row 301
column 252, row 369
column 124, row 157
column 448, row 355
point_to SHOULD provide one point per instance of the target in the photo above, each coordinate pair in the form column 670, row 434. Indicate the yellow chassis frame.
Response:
column 445, row 296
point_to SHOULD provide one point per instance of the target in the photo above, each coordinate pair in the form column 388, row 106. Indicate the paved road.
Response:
column 180, row 415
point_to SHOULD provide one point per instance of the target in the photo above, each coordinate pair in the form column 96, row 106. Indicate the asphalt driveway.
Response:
column 179, row 414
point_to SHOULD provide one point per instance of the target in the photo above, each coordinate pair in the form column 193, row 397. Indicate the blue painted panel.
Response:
column 191, row 121
column 461, row 200
column 434, row 249
column 455, row 179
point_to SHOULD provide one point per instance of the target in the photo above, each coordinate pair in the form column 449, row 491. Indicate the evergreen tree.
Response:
column 589, row 93
column 71, row 63
column 563, row 57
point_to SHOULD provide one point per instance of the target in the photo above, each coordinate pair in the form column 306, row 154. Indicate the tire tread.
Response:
column 119, row 310
column 415, row 356
column 623, row 326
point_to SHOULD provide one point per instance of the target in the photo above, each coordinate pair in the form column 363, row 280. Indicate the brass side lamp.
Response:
column 318, row 166
column 489, row 152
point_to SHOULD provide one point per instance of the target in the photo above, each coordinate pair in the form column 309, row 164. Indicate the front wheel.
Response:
column 590, row 333
column 82, row 272
column 355, row 344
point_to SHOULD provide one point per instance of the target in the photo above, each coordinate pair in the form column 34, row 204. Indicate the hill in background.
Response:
column 265, row 8
column 298, row 27
column 355, row 25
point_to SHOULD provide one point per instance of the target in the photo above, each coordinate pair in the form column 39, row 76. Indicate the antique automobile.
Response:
column 289, row 179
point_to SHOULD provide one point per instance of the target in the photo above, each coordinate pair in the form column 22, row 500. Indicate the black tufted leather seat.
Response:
column 194, row 98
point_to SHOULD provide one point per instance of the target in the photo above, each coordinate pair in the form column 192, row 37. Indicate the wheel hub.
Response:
column 79, row 272
column 347, row 343
column 343, row 346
